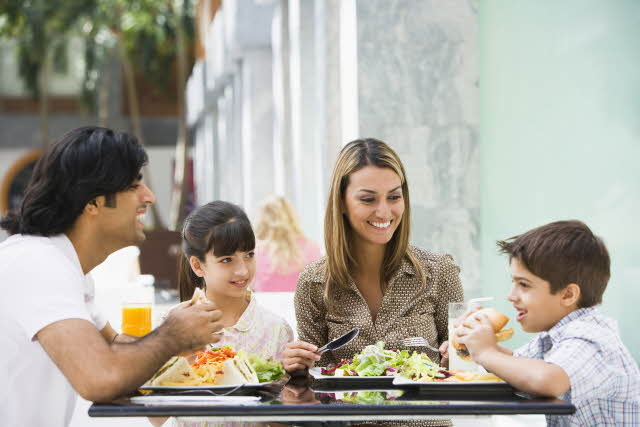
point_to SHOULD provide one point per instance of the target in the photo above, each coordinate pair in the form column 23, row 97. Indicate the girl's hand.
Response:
column 298, row 357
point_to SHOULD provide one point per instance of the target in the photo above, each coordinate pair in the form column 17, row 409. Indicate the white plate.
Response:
column 215, row 388
column 195, row 400
column 316, row 374
column 454, row 385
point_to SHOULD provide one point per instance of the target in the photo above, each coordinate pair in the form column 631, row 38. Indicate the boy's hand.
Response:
column 476, row 332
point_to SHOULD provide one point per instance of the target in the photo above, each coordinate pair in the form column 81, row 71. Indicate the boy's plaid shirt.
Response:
column 605, row 380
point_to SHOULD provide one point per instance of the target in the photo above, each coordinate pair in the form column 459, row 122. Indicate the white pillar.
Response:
column 418, row 91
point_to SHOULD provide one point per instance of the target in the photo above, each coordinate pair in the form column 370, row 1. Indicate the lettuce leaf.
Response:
column 266, row 369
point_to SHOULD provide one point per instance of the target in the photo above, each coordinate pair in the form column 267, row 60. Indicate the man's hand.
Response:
column 299, row 357
column 191, row 327
column 101, row 371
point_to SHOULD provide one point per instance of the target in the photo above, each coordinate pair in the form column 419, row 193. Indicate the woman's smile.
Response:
column 380, row 225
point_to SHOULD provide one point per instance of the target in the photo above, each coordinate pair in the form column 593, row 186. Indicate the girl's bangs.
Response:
column 231, row 237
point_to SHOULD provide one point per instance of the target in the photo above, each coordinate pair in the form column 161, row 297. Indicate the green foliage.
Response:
column 147, row 29
column 39, row 26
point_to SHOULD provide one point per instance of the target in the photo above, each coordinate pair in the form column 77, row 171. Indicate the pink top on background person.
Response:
column 267, row 279
column 282, row 250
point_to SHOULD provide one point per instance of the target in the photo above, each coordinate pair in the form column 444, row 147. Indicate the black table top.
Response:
column 303, row 399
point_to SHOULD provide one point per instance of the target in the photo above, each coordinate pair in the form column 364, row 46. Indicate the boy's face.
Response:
column 538, row 309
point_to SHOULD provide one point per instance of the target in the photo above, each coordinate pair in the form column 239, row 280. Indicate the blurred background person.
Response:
column 282, row 250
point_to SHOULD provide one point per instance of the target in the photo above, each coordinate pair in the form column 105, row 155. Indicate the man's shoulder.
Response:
column 35, row 246
column 36, row 257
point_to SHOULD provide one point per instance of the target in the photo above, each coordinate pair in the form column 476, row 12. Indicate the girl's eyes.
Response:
column 230, row 259
column 523, row 285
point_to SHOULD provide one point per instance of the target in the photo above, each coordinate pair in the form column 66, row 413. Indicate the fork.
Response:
column 418, row 342
column 204, row 391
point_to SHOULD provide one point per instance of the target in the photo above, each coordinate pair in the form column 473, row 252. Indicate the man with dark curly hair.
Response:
column 85, row 200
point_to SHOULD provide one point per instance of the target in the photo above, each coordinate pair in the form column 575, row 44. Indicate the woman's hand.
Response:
column 298, row 357
column 295, row 395
column 444, row 354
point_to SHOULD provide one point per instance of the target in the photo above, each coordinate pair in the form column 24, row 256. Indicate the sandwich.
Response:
column 176, row 371
column 498, row 321
column 237, row 370
column 199, row 297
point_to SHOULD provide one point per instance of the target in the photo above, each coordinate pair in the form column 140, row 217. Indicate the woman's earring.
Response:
column 247, row 295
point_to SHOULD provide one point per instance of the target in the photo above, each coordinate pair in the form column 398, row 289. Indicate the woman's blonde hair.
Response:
column 338, row 235
column 279, row 231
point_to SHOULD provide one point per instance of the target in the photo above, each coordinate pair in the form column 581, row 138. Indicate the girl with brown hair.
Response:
column 218, row 245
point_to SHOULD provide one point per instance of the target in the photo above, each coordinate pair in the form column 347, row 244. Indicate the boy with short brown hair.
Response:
column 560, row 271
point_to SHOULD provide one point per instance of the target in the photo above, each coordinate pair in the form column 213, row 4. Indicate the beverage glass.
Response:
column 456, row 310
column 136, row 318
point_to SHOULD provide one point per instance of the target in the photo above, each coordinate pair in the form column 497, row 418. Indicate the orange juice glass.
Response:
column 136, row 319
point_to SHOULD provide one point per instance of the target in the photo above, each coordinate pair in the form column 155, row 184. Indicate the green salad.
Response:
column 266, row 369
column 375, row 361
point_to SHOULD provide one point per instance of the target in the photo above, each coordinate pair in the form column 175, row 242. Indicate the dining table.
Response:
column 306, row 401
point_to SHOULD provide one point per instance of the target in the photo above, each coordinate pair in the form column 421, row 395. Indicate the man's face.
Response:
column 122, row 221
column 538, row 309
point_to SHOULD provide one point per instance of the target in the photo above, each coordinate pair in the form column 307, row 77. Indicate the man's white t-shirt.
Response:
column 41, row 282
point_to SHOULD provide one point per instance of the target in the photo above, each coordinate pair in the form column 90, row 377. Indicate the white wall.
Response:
column 560, row 131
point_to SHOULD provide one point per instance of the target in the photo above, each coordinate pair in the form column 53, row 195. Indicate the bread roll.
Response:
column 498, row 321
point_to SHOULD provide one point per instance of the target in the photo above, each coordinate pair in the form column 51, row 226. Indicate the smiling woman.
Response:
column 371, row 277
